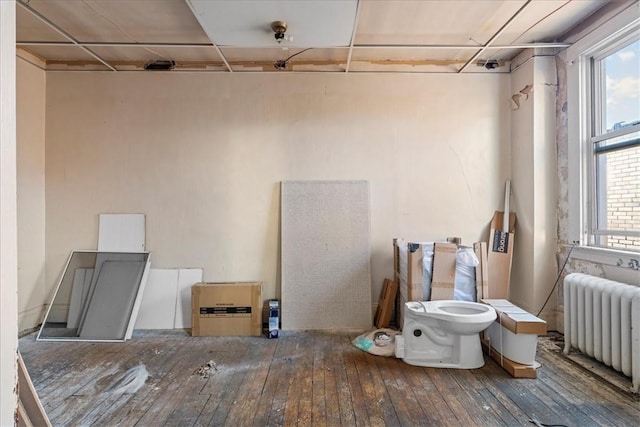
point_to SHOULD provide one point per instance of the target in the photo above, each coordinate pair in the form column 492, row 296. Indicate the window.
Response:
column 603, row 94
column 614, row 140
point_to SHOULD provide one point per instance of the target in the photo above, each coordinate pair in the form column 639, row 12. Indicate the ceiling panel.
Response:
column 128, row 33
column 470, row 22
column 311, row 23
column 30, row 28
column 545, row 20
column 123, row 21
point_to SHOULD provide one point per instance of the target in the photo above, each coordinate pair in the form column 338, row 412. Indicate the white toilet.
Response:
column 444, row 334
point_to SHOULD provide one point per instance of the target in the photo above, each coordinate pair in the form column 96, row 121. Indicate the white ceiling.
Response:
column 343, row 35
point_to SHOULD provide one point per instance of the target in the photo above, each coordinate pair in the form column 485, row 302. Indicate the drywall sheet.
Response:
column 121, row 233
column 187, row 277
column 111, row 300
column 326, row 280
column 157, row 309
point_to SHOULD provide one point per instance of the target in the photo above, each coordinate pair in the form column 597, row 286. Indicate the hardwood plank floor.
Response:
column 310, row 378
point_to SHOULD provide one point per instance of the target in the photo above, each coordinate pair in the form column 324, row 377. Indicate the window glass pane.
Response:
column 612, row 143
column 622, row 87
column 618, row 194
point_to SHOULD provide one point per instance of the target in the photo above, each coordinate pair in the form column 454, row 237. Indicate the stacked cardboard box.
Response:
column 512, row 339
column 409, row 271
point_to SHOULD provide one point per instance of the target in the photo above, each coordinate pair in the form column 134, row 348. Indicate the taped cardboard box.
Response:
column 514, row 334
column 443, row 271
column 500, row 256
column 226, row 309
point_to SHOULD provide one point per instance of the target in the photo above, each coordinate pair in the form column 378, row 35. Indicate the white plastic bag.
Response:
column 380, row 342
column 464, row 281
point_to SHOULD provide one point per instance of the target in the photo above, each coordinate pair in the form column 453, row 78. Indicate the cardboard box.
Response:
column 409, row 272
column 443, row 271
column 500, row 256
column 515, row 319
column 516, row 370
column 382, row 319
column 226, row 309
column 514, row 334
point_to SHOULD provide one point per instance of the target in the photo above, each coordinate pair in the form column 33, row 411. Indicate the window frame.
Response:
column 582, row 126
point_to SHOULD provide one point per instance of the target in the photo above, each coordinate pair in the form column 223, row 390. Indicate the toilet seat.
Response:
column 453, row 311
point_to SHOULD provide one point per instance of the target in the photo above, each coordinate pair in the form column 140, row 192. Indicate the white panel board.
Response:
column 121, row 233
column 157, row 309
column 316, row 23
column 187, row 277
column 326, row 280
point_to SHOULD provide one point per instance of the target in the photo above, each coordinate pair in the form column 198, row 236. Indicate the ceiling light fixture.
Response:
column 490, row 64
column 279, row 28
column 160, row 65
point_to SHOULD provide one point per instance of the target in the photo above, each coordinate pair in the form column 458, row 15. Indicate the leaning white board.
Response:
column 121, row 233
column 158, row 304
column 187, row 277
column 326, row 280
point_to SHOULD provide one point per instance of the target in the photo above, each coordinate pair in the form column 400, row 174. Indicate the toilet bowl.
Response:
column 444, row 334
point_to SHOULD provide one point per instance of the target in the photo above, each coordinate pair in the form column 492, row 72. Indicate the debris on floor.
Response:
column 206, row 370
column 129, row 382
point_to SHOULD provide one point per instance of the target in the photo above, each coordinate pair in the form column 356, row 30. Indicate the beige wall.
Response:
column 34, row 292
column 533, row 162
column 8, row 213
column 202, row 155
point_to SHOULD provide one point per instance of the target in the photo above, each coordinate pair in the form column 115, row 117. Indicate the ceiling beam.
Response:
column 355, row 46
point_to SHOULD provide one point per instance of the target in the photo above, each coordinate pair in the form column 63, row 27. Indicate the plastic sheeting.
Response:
column 465, row 277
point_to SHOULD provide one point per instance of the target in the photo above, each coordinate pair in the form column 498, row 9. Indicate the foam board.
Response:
column 158, row 304
column 326, row 282
column 187, row 277
column 121, row 233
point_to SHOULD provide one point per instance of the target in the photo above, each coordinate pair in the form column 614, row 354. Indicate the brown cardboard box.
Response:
column 516, row 319
column 443, row 271
column 500, row 256
column 513, row 337
column 226, row 309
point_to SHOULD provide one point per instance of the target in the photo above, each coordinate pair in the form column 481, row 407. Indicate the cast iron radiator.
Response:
column 602, row 320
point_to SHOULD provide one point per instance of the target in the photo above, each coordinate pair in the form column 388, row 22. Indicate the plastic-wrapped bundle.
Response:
column 427, row 265
column 465, row 277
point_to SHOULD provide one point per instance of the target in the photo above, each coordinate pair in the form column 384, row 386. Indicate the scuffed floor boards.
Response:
column 30, row 410
column 305, row 378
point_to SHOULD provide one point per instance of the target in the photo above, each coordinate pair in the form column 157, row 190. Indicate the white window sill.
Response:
column 618, row 258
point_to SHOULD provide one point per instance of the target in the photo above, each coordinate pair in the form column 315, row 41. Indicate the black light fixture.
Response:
column 160, row 65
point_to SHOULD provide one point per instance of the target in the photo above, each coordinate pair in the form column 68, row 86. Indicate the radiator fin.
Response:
column 602, row 320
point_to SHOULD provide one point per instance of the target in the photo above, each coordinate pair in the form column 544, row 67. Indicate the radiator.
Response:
column 602, row 320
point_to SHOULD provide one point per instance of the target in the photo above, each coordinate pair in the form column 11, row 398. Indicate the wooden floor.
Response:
column 303, row 378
